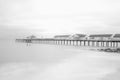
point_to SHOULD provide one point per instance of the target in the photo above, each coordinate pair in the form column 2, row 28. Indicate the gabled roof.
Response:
column 116, row 36
column 101, row 35
column 80, row 35
column 62, row 36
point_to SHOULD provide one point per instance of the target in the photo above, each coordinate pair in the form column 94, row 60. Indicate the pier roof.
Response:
column 116, row 36
column 31, row 37
column 62, row 36
column 101, row 35
column 79, row 35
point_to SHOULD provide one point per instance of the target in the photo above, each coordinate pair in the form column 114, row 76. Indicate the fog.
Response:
column 50, row 17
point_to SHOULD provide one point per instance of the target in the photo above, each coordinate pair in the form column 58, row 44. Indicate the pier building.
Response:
column 116, row 37
column 31, row 37
column 62, row 37
column 78, row 37
column 100, row 37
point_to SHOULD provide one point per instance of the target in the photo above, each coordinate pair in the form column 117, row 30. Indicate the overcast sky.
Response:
column 51, row 17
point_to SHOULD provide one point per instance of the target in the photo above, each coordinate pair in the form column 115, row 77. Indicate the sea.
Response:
column 22, row 61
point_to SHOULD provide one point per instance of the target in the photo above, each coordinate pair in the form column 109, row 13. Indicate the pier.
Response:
column 70, row 42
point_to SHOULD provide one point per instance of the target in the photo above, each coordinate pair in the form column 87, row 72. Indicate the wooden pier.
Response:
column 91, row 43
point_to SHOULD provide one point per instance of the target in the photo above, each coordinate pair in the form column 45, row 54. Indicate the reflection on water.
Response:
column 20, row 61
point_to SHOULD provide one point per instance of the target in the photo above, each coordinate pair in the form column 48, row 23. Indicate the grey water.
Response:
column 20, row 61
column 11, row 51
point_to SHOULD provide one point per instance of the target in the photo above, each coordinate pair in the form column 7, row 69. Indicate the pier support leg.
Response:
column 97, row 44
column 88, row 43
column 117, row 44
column 80, row 43
column 84, row 43
column 113, row 44
column 93, row 43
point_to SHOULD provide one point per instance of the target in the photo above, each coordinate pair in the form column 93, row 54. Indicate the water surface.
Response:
column 53, row 62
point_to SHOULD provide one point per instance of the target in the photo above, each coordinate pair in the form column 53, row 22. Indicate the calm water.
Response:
column 52, row 62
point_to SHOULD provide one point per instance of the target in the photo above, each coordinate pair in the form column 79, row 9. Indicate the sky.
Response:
column 20, row 18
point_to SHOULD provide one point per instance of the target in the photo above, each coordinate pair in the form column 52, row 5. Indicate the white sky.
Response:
column 51, row 17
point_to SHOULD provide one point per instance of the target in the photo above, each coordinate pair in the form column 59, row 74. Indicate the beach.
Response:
column 56, row 62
